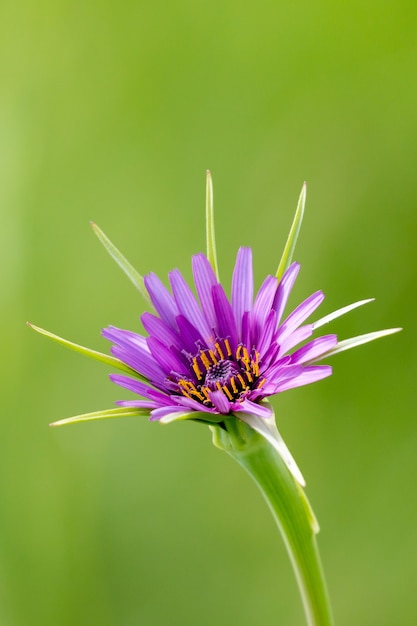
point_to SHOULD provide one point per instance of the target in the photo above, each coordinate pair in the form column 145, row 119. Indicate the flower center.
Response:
column 221, row 372
column 235, row 374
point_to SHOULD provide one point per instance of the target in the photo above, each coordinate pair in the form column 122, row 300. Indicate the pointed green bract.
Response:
column 347, row 344
column 346, row 309
column 193, row 415
column 122, row 262
column 311, row 516
column 210, row 233
column 92, row 354
column 268, row 429
column 101, row 415
column 293, row 235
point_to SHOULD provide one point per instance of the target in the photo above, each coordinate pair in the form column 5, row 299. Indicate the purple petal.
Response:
column 310, row 375
column 270, row 356
column 226, row 325
column 205, row 279
column 161, row 412
column 161, row 299
column 277, row 375
column 245, row 336
column 138, row 404
column 284, row 289
column 314, row 349
column 167, row 360
column 140, row 388
column 193, row 404
column 220, row 402
column 190, row 337
column 282, row 371
column 300, row 314
column 187, row 304
column 267, row 332
column 262, row 306
column 160, row 329
column 242, row 286
column 125, row 338
column 296, row 337
column 261, row 410
column 141, row 361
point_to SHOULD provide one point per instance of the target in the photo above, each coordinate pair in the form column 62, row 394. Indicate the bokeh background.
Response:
column 112, row 112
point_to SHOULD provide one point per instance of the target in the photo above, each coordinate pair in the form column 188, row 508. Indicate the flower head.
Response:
column 219, row 356
column 216, row 359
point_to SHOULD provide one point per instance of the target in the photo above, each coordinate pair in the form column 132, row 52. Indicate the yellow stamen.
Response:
column 227, row 392
column 219, row 350
column 255, row 364
column 184, row 390
column 245, row 358
column 197, row 370
column 205, row 391
column 196, row 393
column 205, row 360
column 238, row 351
column 242, row 382
column 261, row 383
column 213, row 357
column 233, row 384
column 227, row 344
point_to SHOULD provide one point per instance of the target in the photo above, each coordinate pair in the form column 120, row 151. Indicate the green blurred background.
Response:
column 112, row 112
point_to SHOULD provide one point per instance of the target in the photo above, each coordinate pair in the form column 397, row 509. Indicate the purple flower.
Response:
column 215, row 356
column 215, row 359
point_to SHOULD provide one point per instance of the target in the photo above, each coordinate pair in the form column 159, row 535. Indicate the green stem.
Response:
column 290, row 508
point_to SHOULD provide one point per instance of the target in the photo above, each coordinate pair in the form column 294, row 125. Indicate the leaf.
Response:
column 122, row 262
column 92, row 354
column 100, row 415
column 210, row 233
column 293, row 234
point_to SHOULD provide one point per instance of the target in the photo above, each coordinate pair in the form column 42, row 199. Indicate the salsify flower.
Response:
column 219, row 357
column 217, row 360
